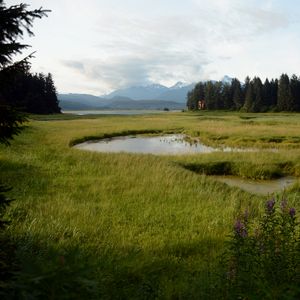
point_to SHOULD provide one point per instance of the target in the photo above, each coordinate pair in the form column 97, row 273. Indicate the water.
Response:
column 169, row 144
column 261, row 187
column 113, row 112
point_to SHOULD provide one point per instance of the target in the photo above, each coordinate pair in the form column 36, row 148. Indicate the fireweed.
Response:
column 262, row 259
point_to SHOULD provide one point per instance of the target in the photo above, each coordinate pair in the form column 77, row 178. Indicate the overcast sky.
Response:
column 96, row 46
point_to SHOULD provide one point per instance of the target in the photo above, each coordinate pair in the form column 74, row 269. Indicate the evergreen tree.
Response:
column 253, row 96
column 237, row 94
column 190, row 103
column 249, row 99
column 213, row 95
column 295, row 93
column 284, row 101
column 13, row 21
column 227, row 96
column 274, row 93
column 196, row 95
column 267, row 93
column 51, row 95
column 258, row 101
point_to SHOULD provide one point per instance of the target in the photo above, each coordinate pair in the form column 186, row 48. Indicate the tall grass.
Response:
column 131, row 226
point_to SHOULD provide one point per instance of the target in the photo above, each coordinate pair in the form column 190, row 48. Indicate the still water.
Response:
column 166, row 144
column 169, row 144
column 261, row 187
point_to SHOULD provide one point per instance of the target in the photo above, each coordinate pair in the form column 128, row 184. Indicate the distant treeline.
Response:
column 251, row 96
column 32, row 93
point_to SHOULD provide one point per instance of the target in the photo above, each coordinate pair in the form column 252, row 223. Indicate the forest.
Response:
column 274, row 95
column 28, row 92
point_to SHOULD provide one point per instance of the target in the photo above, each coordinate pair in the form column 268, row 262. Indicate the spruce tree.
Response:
column 284, row 94
column 249, row 98
column 295, row 93
column 14, row 20
column 227, row 97
column 237, row 94
column 258, row 100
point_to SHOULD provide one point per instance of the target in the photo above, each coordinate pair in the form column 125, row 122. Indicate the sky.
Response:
column 97, row 46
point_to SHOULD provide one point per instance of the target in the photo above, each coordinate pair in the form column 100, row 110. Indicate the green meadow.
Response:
column 88, row 225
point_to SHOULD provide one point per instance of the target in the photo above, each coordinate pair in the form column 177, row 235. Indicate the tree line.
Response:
column 19, row 88
column 27, row 92
column 251, row 96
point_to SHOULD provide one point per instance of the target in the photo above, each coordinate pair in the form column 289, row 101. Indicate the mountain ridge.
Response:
column 153, row 96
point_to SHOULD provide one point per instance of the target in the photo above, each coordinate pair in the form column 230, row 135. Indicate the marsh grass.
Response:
column 131, row 226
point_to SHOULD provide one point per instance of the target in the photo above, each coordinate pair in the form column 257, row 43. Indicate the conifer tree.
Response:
column 284, row 94
column 227, row 97
column 258, row 101
column 237, row 94
column 14, row 20
column 295, row 93
column 249, row 98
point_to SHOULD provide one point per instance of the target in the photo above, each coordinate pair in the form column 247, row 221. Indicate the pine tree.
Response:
column 14, row 20
column 295, row 93
column 258, row 101
column 274, row 93
column 267, row 93
column 196, row 95
column 237, row 94
column 249, row 98
column 227, row 96
column 51, row 95
column 284, row 94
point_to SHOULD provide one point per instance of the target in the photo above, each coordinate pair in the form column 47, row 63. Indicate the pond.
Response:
column 167, row 144
column 261, row 187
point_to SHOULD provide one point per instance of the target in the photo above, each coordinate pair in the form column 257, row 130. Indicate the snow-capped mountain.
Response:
column 139, row 92
column 178, row 85
column 176, row 93
column 226, row 79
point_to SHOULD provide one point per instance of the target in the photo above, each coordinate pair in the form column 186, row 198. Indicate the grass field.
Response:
column 132, row 226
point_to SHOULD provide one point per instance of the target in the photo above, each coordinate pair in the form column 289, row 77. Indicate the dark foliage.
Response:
column 10, row 123
column 4, row 202
column 32, row 93
column 252, row 96
column 14, row 20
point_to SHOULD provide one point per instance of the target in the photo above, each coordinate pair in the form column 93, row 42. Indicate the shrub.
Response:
column 261, row 260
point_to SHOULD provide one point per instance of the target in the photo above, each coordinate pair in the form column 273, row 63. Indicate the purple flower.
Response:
column 270, row 206
column 240, row 229
column 292, row 212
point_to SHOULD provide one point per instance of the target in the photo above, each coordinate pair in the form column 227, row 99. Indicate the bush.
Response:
column 262, row 259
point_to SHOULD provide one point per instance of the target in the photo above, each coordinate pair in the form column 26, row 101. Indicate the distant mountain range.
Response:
column 176, row 93
column 154, row 96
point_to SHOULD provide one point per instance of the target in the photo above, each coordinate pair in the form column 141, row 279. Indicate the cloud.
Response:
column 105, row 45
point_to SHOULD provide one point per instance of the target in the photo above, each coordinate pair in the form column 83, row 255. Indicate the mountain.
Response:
column 176, row 93
column 145, row 104
column 139, row 92
column 80, row 101
column 90, row 102
column 226, row 79
column 154, row 96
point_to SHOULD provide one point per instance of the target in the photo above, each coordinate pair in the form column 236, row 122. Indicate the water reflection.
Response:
column 261, row 187
column 167, row 144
